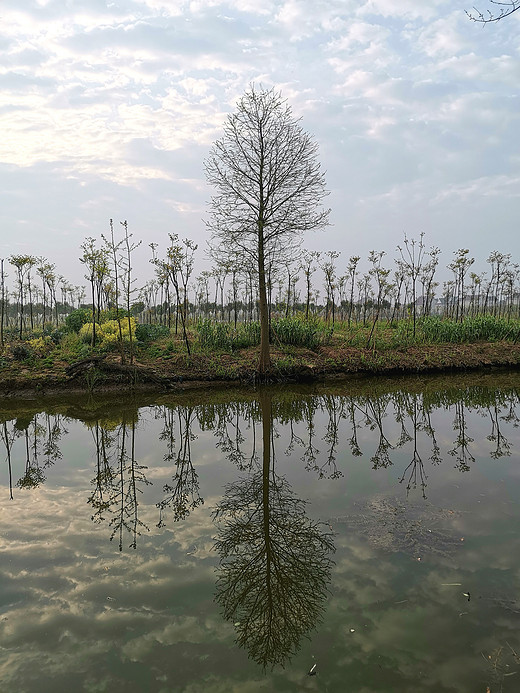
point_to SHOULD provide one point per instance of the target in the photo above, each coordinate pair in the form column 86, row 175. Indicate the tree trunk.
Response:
column 264, row 363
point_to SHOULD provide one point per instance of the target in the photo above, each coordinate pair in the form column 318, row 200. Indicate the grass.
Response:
column 429, row 330
column 295, row 331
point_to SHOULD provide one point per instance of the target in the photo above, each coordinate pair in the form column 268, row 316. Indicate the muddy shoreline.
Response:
column 294, row 365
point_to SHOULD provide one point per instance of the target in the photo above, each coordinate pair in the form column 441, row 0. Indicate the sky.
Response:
column 109, row 108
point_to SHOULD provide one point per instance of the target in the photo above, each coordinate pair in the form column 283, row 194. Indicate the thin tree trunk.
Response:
column 264, row 363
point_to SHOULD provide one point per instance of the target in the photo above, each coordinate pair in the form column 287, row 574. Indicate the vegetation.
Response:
column 263, row 294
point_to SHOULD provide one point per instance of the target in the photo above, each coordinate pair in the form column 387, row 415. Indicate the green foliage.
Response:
column 149, row 333
column 75, row 320
column 432, row 330
column 72, row 347
column 21, row 352
column 285, row 365
column 40, row 346
column 297, row 331
column 55, row 335
column 485, row 328
column 223, row 336
column 112, row 314
column 294, row 331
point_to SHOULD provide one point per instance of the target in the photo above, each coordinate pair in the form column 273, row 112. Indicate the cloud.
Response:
column 126, row 99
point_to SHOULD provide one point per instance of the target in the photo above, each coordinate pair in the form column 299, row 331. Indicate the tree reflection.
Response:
column 502, row 446
column 8, row 437
column 118, row 481
column 461, row 450
column 319, row 427
column 183, row 494
column 274, row 560
column 41, row 433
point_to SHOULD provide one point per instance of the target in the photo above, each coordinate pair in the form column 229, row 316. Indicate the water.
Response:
column 236, row 541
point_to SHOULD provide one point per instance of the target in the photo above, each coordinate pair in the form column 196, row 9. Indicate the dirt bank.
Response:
column 180, row 372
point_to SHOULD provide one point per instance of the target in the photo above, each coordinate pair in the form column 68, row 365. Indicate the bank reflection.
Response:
column 388, row 428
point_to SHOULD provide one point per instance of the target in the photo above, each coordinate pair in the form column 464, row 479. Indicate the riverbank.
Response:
column 179, row 371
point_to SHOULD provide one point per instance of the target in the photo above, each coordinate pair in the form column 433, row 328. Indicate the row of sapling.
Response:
column 109, row 273
column 350, row 297
column 32, row 307
column 175, row 270
column 229, row 292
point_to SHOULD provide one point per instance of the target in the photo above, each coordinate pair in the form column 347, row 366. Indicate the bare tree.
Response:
column 128, row 281
column 95, row 261
column 308, row 265
column 504, row 9
column 412, row 262
column 269, row 188
column 352, row 273
column 23, row 264
column 2, row 302
column 460, row 267
column 328, row 268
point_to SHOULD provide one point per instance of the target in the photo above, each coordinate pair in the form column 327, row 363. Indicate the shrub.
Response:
column 73, row 346
column 148, row 333
column 107, row 334
column 112, row 314
column 20, row 352
column 40, row 346
column 75, row 320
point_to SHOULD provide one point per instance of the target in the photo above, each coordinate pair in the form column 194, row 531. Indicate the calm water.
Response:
column 367, row 533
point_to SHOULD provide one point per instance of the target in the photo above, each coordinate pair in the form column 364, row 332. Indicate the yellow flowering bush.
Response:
column 41, row 345
column 107, row 334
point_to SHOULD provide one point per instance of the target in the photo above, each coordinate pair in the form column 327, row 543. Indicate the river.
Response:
column 360, row 537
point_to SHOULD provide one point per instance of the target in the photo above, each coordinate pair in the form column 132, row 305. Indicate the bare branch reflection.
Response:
column 275, row 561
column 183, row 494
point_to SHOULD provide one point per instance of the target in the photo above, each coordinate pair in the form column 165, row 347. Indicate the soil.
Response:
column 175, row 371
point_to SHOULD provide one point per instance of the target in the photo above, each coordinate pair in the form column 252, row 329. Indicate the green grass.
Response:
column 429, row 330
column 484, row 328
column 293, row 331
column 209, row 337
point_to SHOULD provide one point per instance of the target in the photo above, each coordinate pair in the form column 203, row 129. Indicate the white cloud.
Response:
column 443, row 37
column 131, row 95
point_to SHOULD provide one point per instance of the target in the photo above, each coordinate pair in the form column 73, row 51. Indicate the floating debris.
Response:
column 417, row 530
